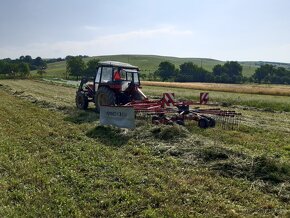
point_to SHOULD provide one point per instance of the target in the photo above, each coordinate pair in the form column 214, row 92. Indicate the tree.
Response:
column 24, row 69
column 234, row 71
column 217, row 70
column 230, row 72
column 68, row 57
column 190, row 72
column 143, row 76
column 75, row 66
column 269, row 74
column 2, row 66
column 39, row 63
column 262, row 73
column 92, row 67
column 11, row 69
column 166, row 71
column 27, row 59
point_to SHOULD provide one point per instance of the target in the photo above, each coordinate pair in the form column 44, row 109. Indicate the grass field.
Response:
column 240, row 100
column 148, row 63
column 58, row 161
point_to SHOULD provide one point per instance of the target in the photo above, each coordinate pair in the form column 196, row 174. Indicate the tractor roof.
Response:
column 117, row 64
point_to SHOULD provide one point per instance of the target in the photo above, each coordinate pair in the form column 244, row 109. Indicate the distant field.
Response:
column 283, row 90
column 148, row 63
column 263, row 102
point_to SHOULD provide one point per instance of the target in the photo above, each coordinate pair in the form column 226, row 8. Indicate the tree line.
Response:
column 271, row 75
column 229, row 72
column 21, row 66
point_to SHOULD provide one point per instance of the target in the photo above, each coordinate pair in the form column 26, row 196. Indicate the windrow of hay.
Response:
column 280, row 90
column 38, row 101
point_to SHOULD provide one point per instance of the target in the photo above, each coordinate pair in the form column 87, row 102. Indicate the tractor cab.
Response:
column 115, row 83
column 116, row 75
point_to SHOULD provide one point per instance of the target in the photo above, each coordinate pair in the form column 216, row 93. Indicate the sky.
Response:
column 241, row 30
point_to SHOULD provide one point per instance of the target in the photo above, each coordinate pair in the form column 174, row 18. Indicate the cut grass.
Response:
column 50, row 168
column 63, row 164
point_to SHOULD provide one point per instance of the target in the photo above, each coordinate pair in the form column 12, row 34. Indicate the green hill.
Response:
column 149, row 63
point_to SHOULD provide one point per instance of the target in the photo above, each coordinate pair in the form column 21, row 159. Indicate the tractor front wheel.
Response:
column 104, row 96
column 82, row 101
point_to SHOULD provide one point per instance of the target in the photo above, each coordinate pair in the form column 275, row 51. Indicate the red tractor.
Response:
column 115, row 83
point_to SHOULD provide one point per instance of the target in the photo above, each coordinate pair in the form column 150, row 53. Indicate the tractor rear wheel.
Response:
column 82, row 101
column 104, row 96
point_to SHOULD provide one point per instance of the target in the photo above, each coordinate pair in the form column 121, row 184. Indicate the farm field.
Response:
column 262, row 89
column 241, row 95
column 58, row 161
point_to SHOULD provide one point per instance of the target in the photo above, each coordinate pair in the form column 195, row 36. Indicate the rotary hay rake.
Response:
column 168, row 111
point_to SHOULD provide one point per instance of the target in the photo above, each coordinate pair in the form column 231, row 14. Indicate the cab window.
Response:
column 129, row 76
column 136, row 78
column 106, row 74
column 123, row 74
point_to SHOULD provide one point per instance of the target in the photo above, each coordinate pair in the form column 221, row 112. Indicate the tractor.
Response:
column 115, row 83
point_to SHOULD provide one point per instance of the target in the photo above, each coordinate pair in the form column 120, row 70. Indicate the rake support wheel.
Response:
column 203, row 123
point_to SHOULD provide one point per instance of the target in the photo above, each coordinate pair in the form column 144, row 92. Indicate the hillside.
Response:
column 149, row 63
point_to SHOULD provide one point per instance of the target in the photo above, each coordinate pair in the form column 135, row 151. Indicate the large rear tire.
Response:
column 82, row 101
column 104, row 96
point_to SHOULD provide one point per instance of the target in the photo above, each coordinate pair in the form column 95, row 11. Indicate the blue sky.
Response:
column 221, row 29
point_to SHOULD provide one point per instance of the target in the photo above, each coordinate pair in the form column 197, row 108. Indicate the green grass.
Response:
column 58, row 161
column 148, row 63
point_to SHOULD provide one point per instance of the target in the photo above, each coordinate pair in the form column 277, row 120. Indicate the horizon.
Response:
column 243, row 31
